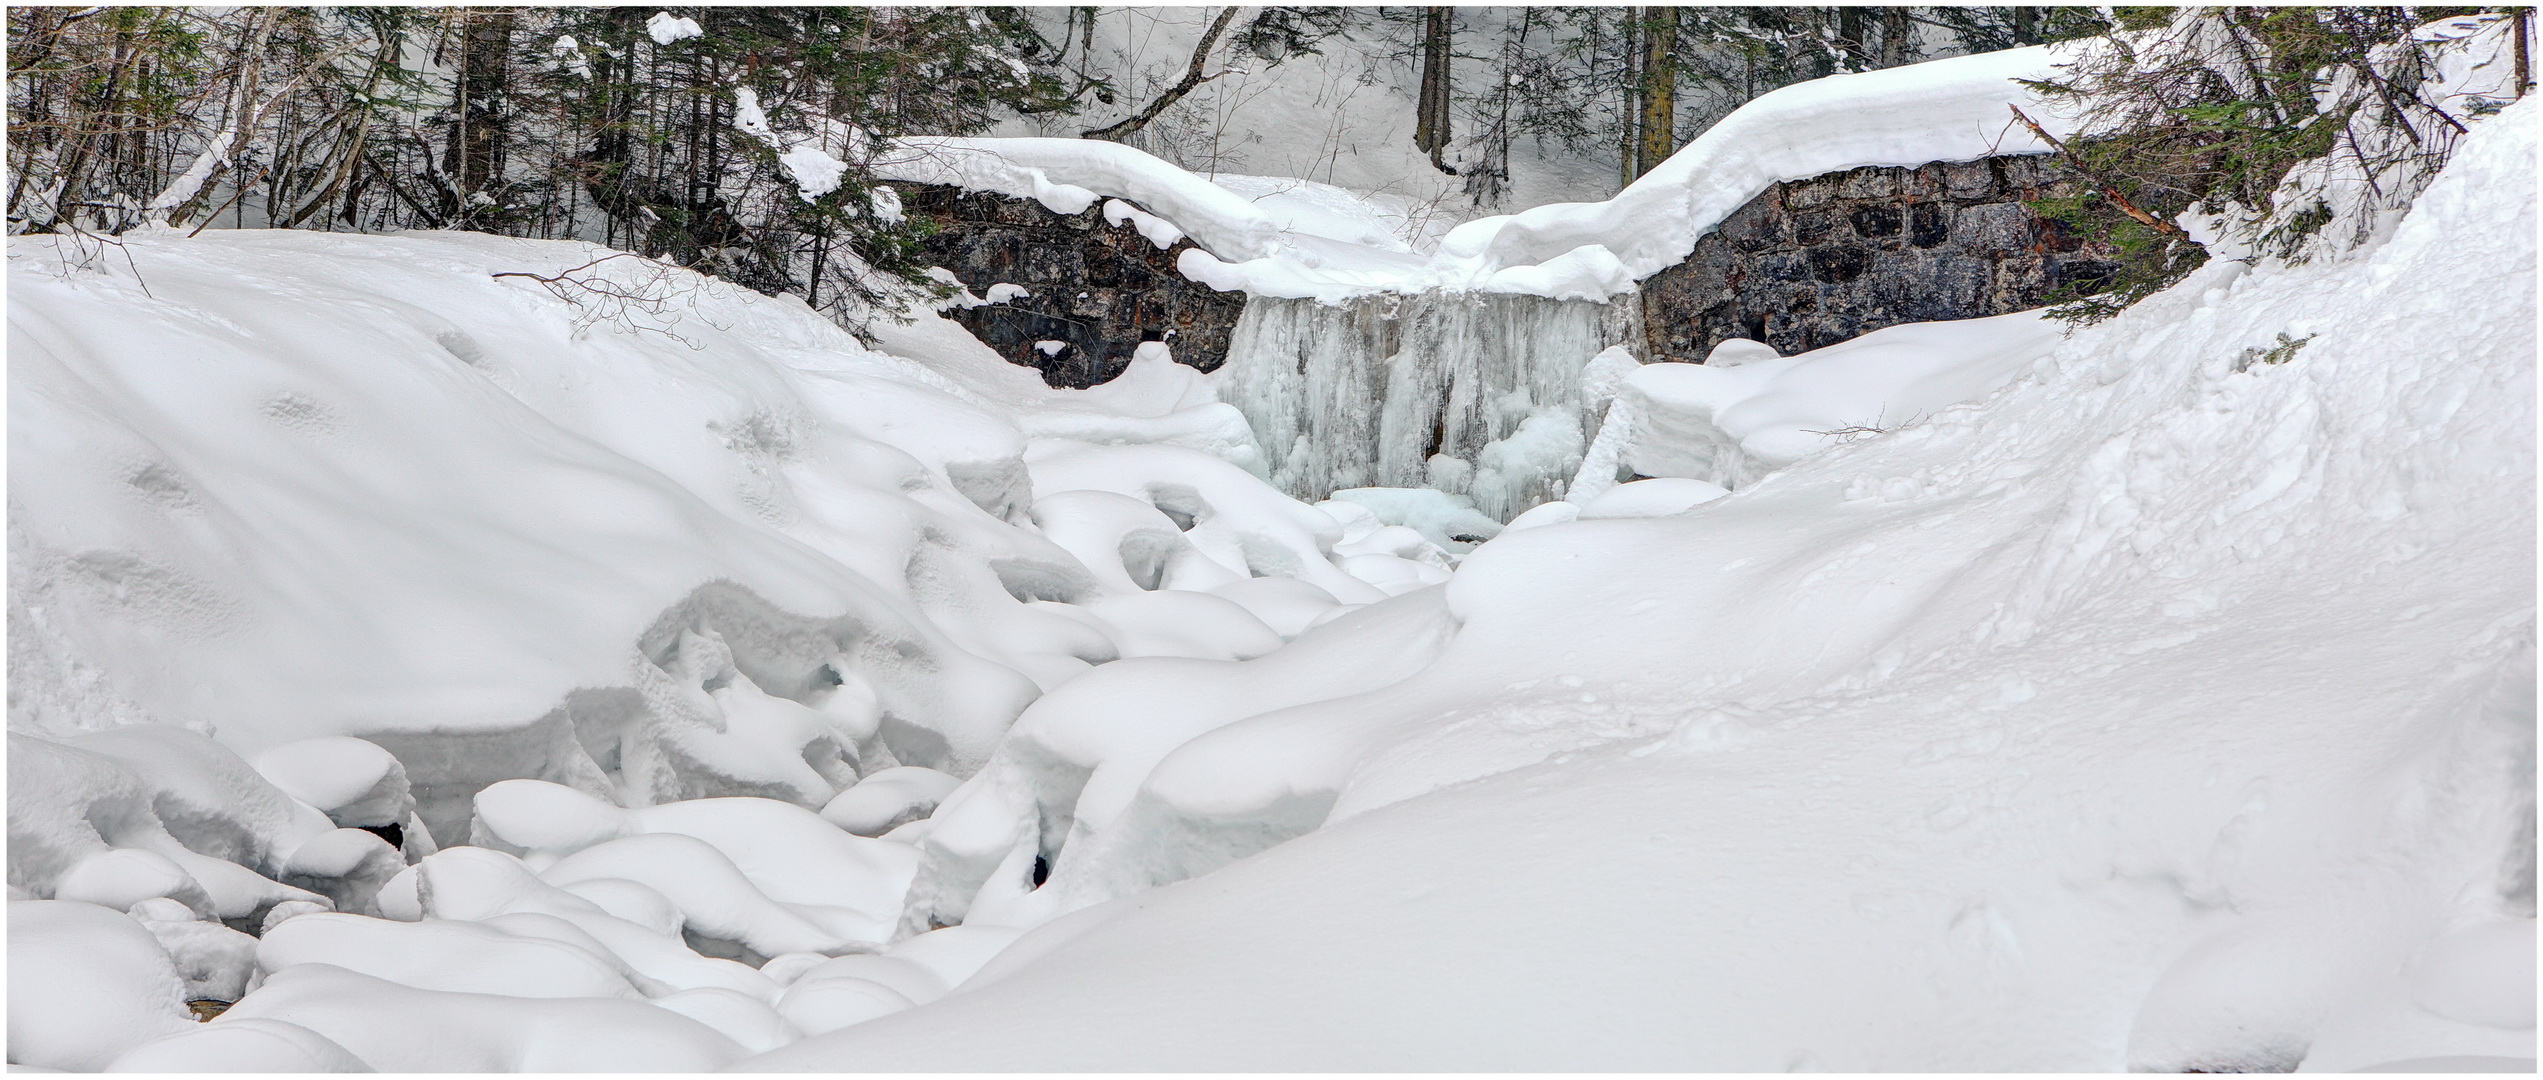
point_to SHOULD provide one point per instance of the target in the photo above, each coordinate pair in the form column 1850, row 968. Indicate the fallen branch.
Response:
column 1192, row 78
column 2107, row 188
column 653, row 301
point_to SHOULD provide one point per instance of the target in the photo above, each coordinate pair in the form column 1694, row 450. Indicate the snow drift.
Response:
column 2170, row 710
column 323, row 547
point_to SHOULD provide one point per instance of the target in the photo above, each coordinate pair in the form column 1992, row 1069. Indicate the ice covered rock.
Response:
column 465, row 957
column 375, row 1020
column 86, row 984
column 888, row 799
column 820, row 1003
column 240, row 1044
column 1651, row 498
column 94, row 818
column 215, row 961
column 1062, row 817
column 357, row 783
column 1366, row 393
column 783, row 851
column 629, row 924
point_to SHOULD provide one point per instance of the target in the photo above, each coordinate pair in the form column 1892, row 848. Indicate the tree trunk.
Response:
column 1430, row 114
column 2525, row 64
column 1659, row 88
column 475, row 160
column 1895, row 29
column 1628, row 148
column 2026, row 26
column 1850, row 39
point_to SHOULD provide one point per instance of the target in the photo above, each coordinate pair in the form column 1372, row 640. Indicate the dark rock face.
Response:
column 1815, row 262
column 1098, row 289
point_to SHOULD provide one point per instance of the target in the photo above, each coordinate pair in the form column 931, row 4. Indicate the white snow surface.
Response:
column 1731, row 424
column 2156, row 698
column 315, row 536
column 665, row 28
column 2166, row 710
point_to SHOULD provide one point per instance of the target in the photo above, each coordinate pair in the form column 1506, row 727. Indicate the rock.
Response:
column 1809, row 263
column 1099, row 290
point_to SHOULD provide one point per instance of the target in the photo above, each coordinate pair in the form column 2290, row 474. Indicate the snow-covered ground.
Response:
column 2168, row 710
column 2158, row 696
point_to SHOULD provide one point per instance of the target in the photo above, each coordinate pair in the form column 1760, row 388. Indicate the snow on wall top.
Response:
column 1942, row 110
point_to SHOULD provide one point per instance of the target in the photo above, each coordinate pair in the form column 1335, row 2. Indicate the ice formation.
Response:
column 1474, row 394
column 1361, row 361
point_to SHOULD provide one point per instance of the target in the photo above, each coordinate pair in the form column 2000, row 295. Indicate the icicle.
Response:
column 1369, row 392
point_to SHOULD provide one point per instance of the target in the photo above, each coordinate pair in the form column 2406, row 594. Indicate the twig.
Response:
column 562, row 275
column 241, row 193
column 2107, row 188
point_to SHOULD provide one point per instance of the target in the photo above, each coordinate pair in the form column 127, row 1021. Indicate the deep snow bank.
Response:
column 2172, row 709
column 323, row 547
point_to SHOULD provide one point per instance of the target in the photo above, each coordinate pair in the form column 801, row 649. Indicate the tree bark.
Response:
column 1895, row 29
column 2525, row 65
column 1430, row 113
column 1850, row 39
column 1628, row 148
column 2026, row 26
column 1659, row 121
column 475, row 157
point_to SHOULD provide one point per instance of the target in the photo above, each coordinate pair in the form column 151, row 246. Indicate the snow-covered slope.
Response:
column 632, row 537
column 2171, row 709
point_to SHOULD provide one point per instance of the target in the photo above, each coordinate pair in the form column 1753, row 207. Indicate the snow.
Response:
column 370, row 1018
column 753, row 696
column 1325, row 243
column 1158, row 231
column 665, row 28
column 2138, row 717
column 1068, row 175
column 1650, row 498
column 815, row 172
column 241, row 1045
column 87, row 984
column 1731, row 424
column 888, row 799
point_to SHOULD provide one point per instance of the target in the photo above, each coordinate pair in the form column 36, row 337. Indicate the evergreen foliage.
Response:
column 2217, row 108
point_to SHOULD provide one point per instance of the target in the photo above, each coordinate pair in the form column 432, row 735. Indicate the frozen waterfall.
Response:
column 1476, row 394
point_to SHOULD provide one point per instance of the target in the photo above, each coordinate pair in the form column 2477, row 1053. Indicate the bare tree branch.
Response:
column 2107, row 188
column 1192, row 78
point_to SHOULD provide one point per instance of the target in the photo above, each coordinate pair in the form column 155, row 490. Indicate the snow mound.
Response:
column 491, row 648
column 1732, row 424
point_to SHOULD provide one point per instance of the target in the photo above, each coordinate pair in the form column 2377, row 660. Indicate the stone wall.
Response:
column 1814, row 262
column 1099, row 289
column 1806, row 264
